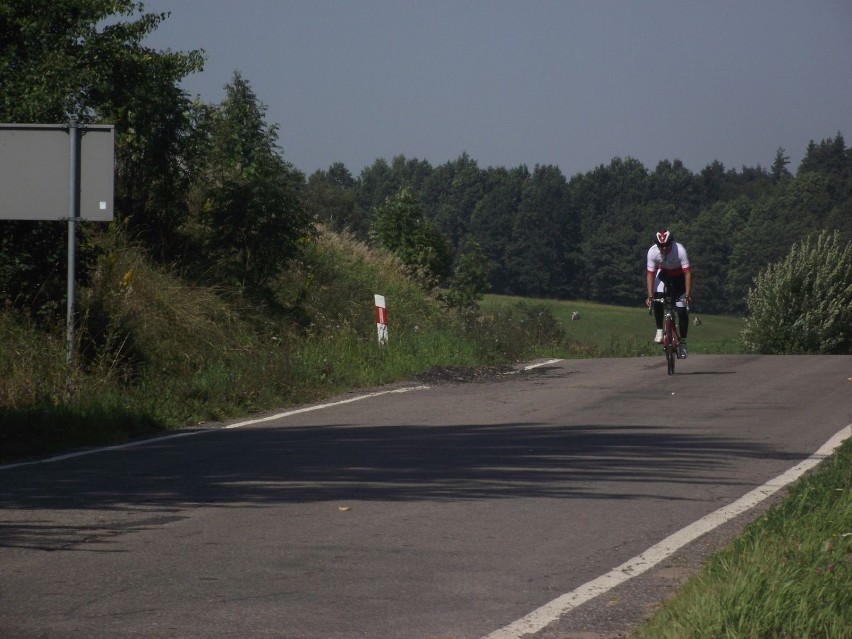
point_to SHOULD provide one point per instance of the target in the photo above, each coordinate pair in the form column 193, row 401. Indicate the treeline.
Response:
column 585, row 237
column 205, row 188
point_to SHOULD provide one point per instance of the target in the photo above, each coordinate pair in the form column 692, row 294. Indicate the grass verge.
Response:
column 788, row 575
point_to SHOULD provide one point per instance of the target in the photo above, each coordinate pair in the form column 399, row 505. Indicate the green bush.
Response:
column 470, row 276
column 511, row 332
column 803, row 304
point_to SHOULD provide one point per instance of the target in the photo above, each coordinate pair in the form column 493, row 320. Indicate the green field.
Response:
column 620, row 331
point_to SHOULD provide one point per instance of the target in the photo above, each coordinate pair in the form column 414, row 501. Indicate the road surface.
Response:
column 425, row 511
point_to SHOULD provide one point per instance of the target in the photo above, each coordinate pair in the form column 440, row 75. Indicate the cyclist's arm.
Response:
column 687, row 277
column 649, row 287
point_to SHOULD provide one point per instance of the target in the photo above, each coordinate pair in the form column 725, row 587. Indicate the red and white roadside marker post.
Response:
column 381, row 319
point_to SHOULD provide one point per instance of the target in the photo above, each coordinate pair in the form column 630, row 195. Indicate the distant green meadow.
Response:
column 602, row 330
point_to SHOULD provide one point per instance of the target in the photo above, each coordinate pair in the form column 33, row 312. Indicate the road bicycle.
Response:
column 671, row 337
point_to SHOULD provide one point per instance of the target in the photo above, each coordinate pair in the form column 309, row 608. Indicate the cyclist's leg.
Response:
column 683, row 322
column 678, row 288
column 658, row 313
column 657, row 306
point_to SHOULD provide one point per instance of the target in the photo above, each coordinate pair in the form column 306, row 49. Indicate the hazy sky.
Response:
column 572, row 83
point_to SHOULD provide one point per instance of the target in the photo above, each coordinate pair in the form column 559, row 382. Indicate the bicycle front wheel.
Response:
column 670, row 345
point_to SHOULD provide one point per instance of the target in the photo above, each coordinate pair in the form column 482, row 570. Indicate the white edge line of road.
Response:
column 153, row 440
column 552, row 611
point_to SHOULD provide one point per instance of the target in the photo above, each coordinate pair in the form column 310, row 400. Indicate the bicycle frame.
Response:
column 670, row 334
column 671, row 337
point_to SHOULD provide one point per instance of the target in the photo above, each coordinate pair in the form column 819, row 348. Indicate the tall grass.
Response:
column 788, row 575
column 32, row 363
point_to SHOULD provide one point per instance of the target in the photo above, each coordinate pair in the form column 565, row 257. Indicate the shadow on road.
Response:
column 450, row 462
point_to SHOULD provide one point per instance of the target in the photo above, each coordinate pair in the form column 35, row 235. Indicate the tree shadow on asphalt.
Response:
column 382, row 463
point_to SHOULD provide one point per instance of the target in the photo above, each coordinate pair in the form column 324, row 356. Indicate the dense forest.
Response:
column 205, row 188
column 586, row 236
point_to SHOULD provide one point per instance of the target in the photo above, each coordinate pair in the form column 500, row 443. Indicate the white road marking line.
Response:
column 550, row 612
column 532, row 366
column 321, row 406
column 154, row 440
column 94, row 451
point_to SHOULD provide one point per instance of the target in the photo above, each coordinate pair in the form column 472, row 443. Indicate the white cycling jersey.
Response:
column 675, row 263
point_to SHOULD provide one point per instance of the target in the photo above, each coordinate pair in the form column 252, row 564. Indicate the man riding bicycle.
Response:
column 669, row 264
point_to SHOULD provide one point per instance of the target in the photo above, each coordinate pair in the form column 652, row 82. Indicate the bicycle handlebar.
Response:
column 662, row 297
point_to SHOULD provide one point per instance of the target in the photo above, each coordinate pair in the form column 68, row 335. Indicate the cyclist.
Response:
column 668, row 262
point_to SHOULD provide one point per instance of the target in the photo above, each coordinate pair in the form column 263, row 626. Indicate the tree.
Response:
column 541, row 236
column 492, row 220
column 399, row 226
column 329, row 197
column 86, row 58
column 461, row 189
column 339, row 176
column 251, row 206
column 711, row 240
column 779, row 170
column 616, row 265
column 713, row 183
column 412, row 173
column 375, row 184
column 829, row 156
column 674, row 184
column 79, row 57
column 794, row 210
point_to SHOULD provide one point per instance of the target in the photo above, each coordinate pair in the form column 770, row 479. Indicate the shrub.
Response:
column 470, row 276
column 803, row 304
column 514, row 332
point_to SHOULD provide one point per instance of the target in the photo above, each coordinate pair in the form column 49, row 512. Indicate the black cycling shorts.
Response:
column 677, row 285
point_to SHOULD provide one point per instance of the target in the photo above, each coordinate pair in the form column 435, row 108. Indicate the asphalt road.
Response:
column 445, row 512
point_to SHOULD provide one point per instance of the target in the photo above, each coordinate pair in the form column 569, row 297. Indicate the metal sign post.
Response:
column 73, row 216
